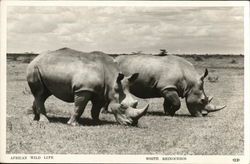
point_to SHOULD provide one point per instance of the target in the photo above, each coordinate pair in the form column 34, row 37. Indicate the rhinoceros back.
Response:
column 66, row 71
column 156, row 73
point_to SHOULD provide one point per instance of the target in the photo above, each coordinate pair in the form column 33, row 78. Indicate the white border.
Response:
column 3, row 81
column 246, row 83
column 125, row 158
column 129, row 3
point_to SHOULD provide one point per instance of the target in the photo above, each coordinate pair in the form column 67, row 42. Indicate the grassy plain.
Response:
column 219, row 133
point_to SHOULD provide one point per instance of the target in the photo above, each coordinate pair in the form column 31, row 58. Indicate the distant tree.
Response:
column 163, row 52
column 233, row 61
column 137, row 52
column 220, row 56
column 27, row 60
column 198, row 58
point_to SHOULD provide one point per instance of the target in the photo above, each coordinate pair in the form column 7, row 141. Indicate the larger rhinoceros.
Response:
column 78, row 77
column 169, row 77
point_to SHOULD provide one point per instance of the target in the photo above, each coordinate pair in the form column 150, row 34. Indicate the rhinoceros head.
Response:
column 198, row 103
column 123, row 105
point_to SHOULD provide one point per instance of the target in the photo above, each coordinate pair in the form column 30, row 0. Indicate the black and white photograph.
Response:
column 125, row 82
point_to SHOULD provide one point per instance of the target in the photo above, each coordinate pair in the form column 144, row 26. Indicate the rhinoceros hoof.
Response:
column 36, row 117
column 97, row 121
column 74, row 123
column 198, row 114
column 44, row 119
column 169, row 114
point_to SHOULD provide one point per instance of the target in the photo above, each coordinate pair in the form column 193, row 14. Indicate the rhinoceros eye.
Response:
column 203, row 101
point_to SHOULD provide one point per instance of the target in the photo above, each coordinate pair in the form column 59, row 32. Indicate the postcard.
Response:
column 124, row 82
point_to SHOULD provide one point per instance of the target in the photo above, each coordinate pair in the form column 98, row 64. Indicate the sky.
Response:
column 201, row 30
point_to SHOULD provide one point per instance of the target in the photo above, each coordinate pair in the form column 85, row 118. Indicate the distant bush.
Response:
column 136, row 53
column 206, row 56
column 21, row 57
column 27, row 60
column 213, row 79
column 233, row 61
column 14, row 58
column 198, row 58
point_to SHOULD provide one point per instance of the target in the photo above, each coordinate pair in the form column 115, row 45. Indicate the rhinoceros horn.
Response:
column 212, row 108
column 137, row 113
column 210, row 99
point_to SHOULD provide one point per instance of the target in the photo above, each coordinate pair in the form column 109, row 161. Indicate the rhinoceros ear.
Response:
column 205, row 74
column 120, row 77
column 133, row 77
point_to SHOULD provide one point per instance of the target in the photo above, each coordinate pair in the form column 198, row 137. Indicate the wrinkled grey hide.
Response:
column 74, row 76
column 169, row 77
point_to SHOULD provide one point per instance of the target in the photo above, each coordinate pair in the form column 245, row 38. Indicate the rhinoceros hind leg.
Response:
column 81, row 100
column 38, row 104
column 39, row 108
column 40, row 93
column 171, row 103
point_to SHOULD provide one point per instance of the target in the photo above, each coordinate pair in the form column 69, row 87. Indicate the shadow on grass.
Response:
column 190, row 116
column 183, row 115
column 163, row 114
column 151, row 113
column 82, row 121
column 176, row 115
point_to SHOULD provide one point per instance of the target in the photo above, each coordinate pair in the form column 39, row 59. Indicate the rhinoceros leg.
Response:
column 105, row 108
column 39, row 108
column 96, row 108
column 171, row 102
column 81, row 99
column 40, row 93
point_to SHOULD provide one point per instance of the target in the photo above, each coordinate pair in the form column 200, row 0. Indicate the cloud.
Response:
column 38, row 19
column 126, row 29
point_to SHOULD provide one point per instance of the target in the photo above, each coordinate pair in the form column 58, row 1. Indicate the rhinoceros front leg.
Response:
column 105, row 108
column 172, row 102
column 81, row 99
column 96, row 108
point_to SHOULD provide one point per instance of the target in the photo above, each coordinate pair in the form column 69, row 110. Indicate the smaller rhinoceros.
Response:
column 74, row 76
column 169, row 77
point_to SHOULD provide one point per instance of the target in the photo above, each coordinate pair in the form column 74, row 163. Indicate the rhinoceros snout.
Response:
column 132, row 104
column 127, row 115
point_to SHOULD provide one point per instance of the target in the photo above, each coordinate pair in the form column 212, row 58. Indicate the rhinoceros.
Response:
column 170, row 77
column 75, row 76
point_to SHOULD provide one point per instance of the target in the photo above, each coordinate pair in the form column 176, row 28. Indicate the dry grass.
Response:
column 220, row 133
